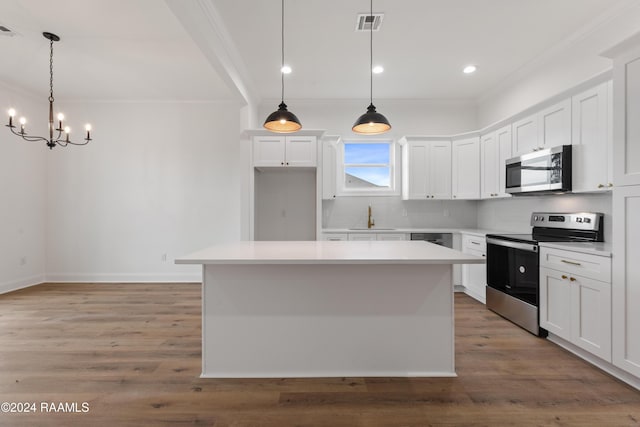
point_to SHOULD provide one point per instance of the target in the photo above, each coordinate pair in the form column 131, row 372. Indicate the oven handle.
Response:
column 516, row 245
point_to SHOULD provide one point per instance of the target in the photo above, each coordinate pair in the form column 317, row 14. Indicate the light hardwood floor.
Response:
column 132, row 352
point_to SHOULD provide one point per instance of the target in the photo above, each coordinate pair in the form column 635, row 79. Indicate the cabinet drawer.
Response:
column 335, row 236
column 473, row 243
column 391, row 236
column 585, row 265
column 362, row 236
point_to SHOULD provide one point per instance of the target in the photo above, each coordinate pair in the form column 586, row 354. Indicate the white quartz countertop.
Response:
column 329, row 252
column 474, row 231
column 593, row 248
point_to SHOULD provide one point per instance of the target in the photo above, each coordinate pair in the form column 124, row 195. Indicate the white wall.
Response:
column 285, row 204
column 513, row 214
column 407, row 117
column 560, row 68
column 159, row 178
column 22, row 195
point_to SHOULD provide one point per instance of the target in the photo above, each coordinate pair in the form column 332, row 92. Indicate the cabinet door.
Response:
column 590, row 157
column 440, row 169
column 489, row 166
column 415, row 171
column 268, row 151
column 466, row 168
column 329, row 170
column 591, row 315
column 626, row 126
column 626, row 278
column 503, row 138
column 300, row 151
column 554, row 125
column 555, row 302
column 525, row 135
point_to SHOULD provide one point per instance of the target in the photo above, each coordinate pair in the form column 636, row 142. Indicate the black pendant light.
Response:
column 371, row 122
column 282, row 120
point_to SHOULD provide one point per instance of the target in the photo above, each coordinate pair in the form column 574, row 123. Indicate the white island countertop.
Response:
column 329, row 252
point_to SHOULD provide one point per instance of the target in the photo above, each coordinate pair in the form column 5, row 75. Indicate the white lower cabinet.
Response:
column 474, row 276
column 626, row 278
column 363, row 237
column 575, row 299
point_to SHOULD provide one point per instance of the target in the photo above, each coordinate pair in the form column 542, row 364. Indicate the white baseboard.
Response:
column 14, row 285
column 609, row 368
column 475, row 296
column 123, row 278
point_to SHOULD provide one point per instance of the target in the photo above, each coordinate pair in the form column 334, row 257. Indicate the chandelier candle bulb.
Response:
column 60, row 119
column 67, row 131
column 88, row 129
column 12, row 113
column 23, row 122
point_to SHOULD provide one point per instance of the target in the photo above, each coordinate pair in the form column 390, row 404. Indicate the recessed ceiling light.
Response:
column 378, row 69
column 469, row 69
column 285, row 69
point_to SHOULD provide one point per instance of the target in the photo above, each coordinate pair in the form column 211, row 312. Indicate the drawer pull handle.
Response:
column 564, row 277
column 475, row 243
column 573, row 279
column 570, row 262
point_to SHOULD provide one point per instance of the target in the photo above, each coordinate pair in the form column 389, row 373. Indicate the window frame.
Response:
column 394, row 170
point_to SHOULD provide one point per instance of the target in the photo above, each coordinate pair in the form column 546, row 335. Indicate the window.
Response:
column 368, row 167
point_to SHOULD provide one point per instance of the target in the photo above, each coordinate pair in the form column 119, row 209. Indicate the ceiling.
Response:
column 140, row 49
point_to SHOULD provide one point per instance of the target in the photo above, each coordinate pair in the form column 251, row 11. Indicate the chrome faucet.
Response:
column 370, row 222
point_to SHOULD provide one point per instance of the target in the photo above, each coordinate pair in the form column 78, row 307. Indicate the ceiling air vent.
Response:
column 365, row 20
column 4, row 31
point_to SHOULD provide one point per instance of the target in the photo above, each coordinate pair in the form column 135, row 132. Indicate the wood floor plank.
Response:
column 132, row 352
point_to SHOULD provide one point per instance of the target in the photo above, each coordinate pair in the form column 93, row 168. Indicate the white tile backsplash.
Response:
column 393, row 212
column 513, row 214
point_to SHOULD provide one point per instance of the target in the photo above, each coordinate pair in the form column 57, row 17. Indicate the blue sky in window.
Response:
column 368, row 154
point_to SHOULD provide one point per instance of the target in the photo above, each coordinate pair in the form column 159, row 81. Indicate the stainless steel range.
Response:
column 513, row 263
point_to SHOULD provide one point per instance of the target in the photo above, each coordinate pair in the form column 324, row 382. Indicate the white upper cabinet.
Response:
column 329, row 174
column 495, row 149
column 465, row 180
column 279, row 151
column 592, row 147
column 547, row 128
column 426, row 170
column 525, row 135
column 554, row 125
column 626, row 77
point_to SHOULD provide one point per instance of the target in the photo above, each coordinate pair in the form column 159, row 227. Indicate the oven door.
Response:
column 513, row 268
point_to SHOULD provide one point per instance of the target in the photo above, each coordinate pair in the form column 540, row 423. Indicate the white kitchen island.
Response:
column 327, row 309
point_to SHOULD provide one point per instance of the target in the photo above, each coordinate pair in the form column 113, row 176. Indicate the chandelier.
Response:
column 55, row 132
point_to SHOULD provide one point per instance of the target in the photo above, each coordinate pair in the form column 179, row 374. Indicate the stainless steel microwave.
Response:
column 543, row 171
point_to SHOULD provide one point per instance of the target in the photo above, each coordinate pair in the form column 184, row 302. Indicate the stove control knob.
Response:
column 535, row 218
column 578, row 219
column 587, row 220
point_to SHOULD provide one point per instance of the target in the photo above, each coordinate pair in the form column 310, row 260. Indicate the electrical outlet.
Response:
column 163, row 258
column 404, row 212
column 23, row 260
column 446, row 212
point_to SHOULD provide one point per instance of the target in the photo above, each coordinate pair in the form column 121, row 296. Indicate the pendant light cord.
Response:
column 370, row 53
column 282, row 65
